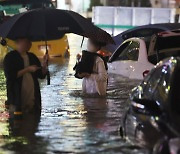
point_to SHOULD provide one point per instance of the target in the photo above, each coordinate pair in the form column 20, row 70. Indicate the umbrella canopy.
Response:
column 50, row 24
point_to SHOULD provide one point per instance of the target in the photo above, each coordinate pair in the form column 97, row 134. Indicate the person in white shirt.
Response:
column 96, row 81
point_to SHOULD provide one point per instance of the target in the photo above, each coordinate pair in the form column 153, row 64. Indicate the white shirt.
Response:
column 96, row 83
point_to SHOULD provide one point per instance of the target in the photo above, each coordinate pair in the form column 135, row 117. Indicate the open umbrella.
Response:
column 50, row 24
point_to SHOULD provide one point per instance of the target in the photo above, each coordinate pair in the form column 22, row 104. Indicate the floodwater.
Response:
column 70, row 122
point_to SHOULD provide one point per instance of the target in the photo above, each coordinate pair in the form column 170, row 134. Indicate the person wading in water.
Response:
column 93, row 69
column 22, row 71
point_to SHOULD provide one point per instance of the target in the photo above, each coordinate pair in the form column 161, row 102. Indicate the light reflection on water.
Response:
column 70, row 122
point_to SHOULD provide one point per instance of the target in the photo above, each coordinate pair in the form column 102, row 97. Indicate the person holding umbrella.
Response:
column 92, row 67
column 22, row 70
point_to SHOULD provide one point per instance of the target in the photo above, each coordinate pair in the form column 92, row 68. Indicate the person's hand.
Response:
column 78, row 56
column 32, row 68
column 82, row 75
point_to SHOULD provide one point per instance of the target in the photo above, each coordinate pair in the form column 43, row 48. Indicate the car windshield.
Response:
column 127, row 51
column 13, row 7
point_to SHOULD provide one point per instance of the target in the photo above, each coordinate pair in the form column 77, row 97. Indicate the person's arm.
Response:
column 22, row 72
column 42, row 72
column 29, row 69
column 101, row 74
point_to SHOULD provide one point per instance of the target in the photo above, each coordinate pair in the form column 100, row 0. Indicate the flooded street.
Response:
column 69, row 122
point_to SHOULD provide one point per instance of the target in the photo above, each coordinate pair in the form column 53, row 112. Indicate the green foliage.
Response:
column 141, row 3
column 2, row 85
column 94, row 3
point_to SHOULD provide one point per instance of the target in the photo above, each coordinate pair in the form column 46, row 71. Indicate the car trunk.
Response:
column 163, row 47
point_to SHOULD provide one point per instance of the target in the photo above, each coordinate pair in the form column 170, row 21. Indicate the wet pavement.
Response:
column 70, row 122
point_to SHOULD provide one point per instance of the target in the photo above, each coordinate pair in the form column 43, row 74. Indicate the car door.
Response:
column 124, row 59
column 138, row 127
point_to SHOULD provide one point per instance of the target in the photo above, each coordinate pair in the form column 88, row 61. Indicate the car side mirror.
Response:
column 147, row 107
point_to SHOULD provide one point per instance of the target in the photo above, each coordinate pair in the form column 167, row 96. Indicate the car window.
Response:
column 152, row 83
column 119, row 51
column 162, row 90
column 131, row 52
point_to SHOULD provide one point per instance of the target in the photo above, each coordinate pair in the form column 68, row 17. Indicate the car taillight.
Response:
column 145, row 73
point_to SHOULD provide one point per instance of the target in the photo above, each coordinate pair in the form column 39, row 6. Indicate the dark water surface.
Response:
column 70, row 122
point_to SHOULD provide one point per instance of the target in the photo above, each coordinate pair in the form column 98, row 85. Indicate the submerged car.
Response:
column 140, row 31
column 137, row 56
column 130, row 60
column 152, row 116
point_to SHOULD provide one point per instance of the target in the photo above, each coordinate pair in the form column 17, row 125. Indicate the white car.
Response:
column 130, row 59
column 136, row 56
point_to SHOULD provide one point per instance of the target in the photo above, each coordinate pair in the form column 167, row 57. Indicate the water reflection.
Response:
column 22, row 136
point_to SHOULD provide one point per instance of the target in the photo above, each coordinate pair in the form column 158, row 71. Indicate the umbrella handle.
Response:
column 48, row 73
column 82, row 42
column 48, row 78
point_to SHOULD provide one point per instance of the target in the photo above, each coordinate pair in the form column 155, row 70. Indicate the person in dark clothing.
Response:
column 22, row 71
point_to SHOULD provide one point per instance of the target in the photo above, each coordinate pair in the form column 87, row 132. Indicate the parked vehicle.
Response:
column 152, row 116
column 137, row 56
column 140, row 31
column 130, row 60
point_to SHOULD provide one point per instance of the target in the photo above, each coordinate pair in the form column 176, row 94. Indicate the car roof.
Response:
column 163, row 26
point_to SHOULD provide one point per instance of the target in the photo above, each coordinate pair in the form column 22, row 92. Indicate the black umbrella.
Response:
column 50, row 24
